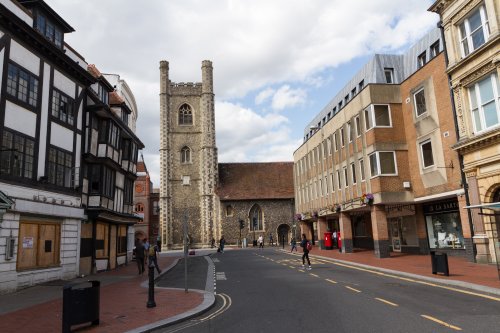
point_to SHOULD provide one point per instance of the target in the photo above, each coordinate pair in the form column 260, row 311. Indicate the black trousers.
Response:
column 306, row 256
column 140, row 264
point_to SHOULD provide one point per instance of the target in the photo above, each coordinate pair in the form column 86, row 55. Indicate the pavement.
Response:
column 124, row 293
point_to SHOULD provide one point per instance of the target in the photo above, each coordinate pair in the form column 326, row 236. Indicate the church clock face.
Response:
column 139, row 188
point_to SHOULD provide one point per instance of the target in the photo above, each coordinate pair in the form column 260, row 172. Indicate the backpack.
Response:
column 152, row 251
column 309, row 247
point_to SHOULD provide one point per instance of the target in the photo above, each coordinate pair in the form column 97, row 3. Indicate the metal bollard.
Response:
column 151, row 290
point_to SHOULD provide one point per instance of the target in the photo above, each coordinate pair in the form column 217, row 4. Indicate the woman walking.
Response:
column 304, row 244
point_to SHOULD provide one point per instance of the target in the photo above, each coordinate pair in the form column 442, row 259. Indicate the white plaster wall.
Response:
column 18, row 11
column 24, row 58
column 79, row 116
column 61, row 137
column 44, row 116
column 76, row 58
column 20, row 119
column 2, row 55
column 64, row 84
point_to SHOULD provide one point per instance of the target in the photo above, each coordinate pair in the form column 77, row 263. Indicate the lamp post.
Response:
column 185, row 227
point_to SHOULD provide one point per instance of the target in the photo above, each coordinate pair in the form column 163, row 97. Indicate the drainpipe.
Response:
column 460, row 157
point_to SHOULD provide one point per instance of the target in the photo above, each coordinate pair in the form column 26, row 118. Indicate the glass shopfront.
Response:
column 444, row 229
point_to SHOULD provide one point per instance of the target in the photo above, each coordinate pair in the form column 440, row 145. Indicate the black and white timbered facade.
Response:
column 67, row 157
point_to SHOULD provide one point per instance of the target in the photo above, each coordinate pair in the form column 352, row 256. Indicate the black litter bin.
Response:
column 439, row 262
column 80, row 304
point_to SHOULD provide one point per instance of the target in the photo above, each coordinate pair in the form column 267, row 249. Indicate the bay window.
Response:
column 485, row 103
column 383, row 163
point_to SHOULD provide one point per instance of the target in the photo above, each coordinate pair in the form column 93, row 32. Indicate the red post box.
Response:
column 328, row 241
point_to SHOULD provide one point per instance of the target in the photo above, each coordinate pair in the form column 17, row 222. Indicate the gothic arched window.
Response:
column 185, row 155
column 185, row 115
column 255, row 216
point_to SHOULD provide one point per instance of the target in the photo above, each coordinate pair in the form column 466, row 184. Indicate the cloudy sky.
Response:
column 277, row 63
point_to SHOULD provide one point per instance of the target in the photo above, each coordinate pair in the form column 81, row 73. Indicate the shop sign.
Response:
column 27, row 242
column 441, row 207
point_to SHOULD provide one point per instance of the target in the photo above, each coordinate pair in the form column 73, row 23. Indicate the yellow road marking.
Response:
column 314, row 275
column 456, row 328
column 356, row 290
column 385, row 301
column 416, row 281
column 331, row 281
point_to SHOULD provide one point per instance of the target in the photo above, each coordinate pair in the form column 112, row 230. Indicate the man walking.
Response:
column 153, row 257
column 261, row 242
column 139, row 256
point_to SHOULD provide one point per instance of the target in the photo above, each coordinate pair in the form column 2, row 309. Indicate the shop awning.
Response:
column 5, row 202
column 490, row 205
column 495, row 206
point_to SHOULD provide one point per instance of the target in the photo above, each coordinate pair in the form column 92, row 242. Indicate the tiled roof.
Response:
column 114, row 98
column 253, row 181
column 141, row 167
column 94, row 71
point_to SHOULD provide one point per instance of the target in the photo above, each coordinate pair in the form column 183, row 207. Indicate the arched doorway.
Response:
column 283, row 234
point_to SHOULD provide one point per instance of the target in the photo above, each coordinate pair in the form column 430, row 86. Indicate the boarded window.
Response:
column 39, row 244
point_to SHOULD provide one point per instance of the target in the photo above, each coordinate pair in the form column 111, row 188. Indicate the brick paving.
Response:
column 122, row 305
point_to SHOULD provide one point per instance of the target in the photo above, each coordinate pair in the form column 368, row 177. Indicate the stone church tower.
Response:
column 188, row 159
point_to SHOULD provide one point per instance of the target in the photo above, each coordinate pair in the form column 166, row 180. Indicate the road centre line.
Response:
column 314, row 275
column 456, row 328
column 385, row 301
column 331, row 281
column 291, row 267
column 414, row 281
column 356, row 290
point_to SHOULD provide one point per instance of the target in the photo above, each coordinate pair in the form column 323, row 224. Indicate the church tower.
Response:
column 188, row 159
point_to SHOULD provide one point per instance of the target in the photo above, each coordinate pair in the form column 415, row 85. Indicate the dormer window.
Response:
column 49, row 30
column 101, row 92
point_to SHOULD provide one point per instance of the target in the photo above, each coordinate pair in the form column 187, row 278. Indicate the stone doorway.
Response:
column 283, row 234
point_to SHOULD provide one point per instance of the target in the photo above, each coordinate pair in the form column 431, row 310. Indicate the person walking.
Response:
column 139, row 256
column 334, row 236
column 212, row 243
column 222, row 242
column 146, row 248
column 304, row 245
column 261, row 242
column 294, row 245
column 271, row 240
column 153, row 257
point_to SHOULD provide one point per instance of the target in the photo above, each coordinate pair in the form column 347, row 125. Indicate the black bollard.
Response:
column 151, row 290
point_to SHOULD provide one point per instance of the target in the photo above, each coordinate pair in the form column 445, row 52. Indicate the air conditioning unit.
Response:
column 9, row 251
column 406, row 184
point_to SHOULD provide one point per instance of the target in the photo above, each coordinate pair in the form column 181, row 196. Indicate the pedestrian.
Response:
column 271, row 240
column 304, row 244
column 212, row 243
column 334, row 236
column 153, row 257
column 139, row 256
column 261, row 242
column 294, row 245
column 222, row 242
column 146, row 247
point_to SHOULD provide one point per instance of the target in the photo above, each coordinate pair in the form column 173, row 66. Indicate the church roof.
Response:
column 254, row 181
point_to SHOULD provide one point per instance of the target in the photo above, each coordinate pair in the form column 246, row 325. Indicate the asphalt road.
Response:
column 268, row 291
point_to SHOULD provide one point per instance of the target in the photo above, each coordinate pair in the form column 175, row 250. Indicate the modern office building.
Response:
column 377, row 162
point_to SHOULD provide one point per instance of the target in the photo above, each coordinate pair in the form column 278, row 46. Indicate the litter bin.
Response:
column 244, row 242
column 439, row 262
column 254, row 243
column 80, row 304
